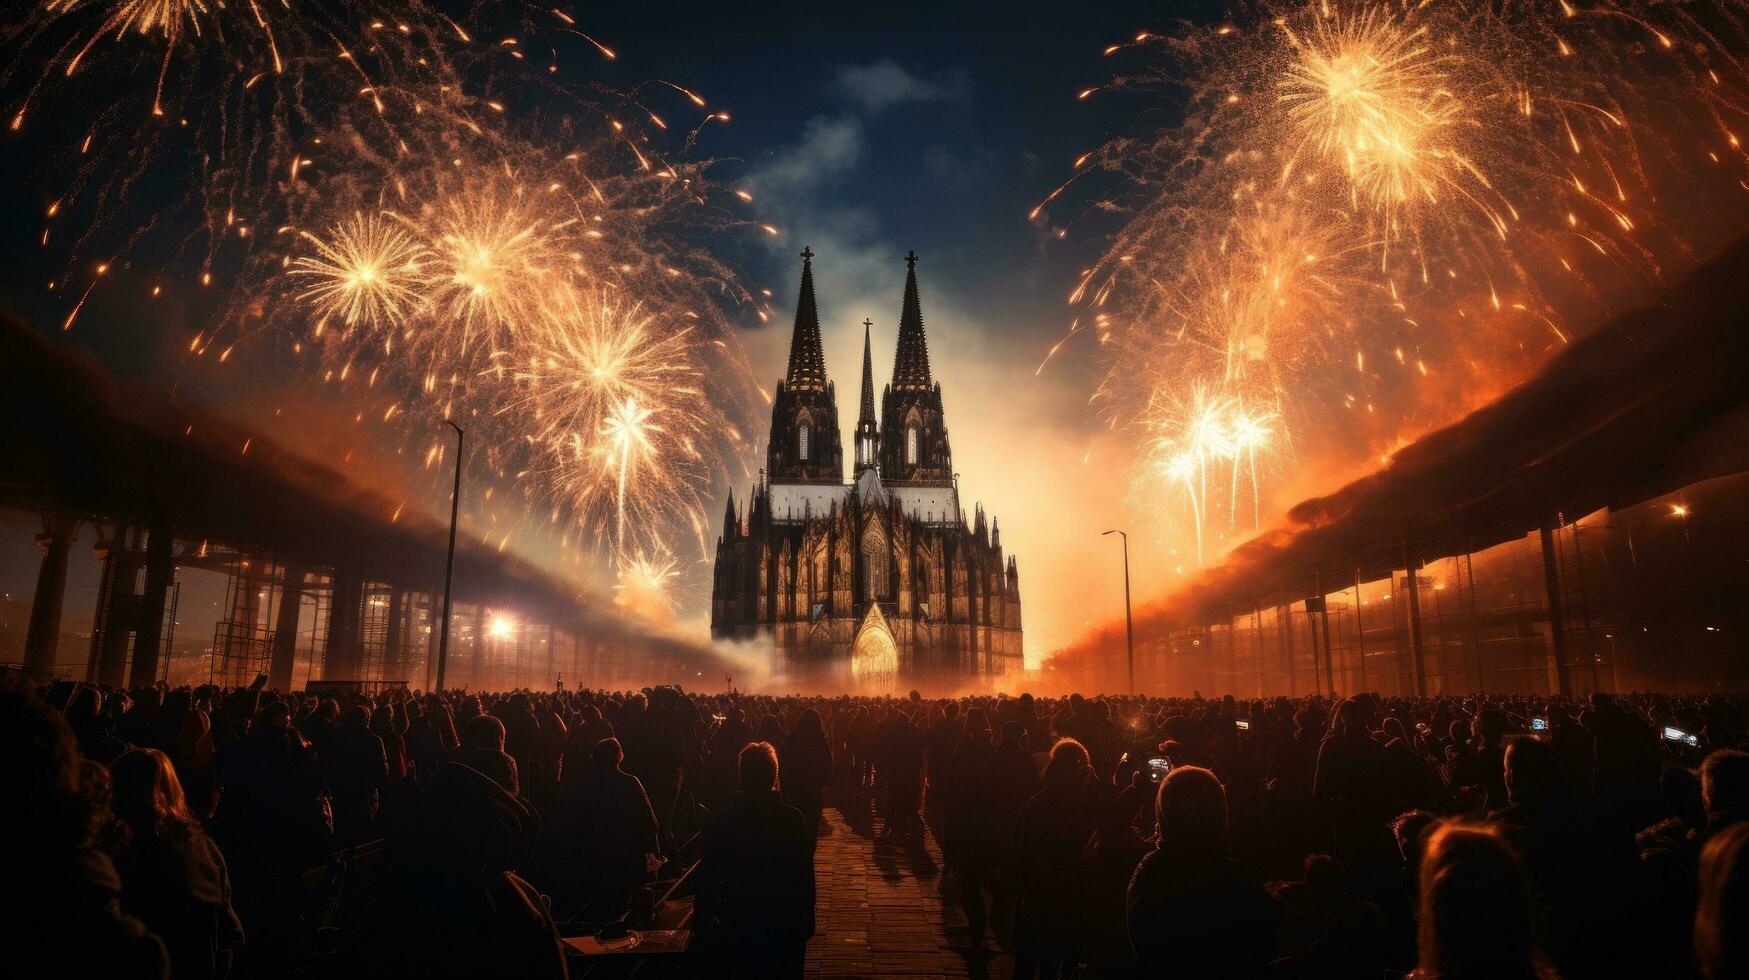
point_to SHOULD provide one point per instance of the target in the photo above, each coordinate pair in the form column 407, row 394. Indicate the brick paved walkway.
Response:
column 881, row 911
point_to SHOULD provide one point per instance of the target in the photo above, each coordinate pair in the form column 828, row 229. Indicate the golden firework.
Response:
column 1367, row 216
column 496, row 255
column 1378, row 98
column 368, row 184
column 623, row 420
column 646, row 584
column 367, row 270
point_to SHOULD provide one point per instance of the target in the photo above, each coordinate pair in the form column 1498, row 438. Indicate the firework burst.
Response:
column 360, row 186
column 647, row 585
column 366, row 271
column 496, row 257
column 1371, row 215
column 625, row 421
column 1378, row 99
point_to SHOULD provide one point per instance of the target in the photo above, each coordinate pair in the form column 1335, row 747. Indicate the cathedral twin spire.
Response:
column 804, row 440
column 807, row 357
column 805, row 444
column 911, row 359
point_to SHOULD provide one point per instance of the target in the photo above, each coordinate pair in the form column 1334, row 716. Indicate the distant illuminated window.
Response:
column 874, row 567
column 802, row 436
column 911, row 446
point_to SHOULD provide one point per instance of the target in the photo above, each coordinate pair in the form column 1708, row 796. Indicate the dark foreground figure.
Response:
column 212, row 833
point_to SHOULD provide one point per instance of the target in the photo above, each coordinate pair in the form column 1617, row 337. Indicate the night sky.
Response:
column 864, row 131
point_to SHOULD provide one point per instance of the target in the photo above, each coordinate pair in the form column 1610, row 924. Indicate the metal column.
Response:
column 43, row 636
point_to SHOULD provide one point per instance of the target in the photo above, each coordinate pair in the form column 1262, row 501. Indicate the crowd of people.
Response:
column 1452, row 837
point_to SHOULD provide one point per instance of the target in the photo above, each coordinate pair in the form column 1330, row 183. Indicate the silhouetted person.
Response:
column 139, row 726
column 270, row 812
column 1475, row 910
column 85, row 715
column 192, row 754
column 390, row 724
column 611, row 829
column 1108, row 864
column 457, row 906
column 173, row 876
column 806, row 759
column 724, row 749
column 1583, row 870
column 482, row 750
column 1724, row 786
column 590, row 729
column 940, row 739
column 899, row 773
column 357, row 771
column 1054, row 828
column 431, row 737
column 521, row 738
column 1349, row 786
column 1721, row 916
column 756, row 877
column 1015, row 777
column 1626, row 753
column 551, row 742
column 1193, row 910
column 972, row 838
column 1334, row 933
column 66, row 893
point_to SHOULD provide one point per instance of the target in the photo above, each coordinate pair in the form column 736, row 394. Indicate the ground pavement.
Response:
column 881, row 911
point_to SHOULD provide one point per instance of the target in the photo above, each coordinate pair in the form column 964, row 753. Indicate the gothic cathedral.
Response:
column 877, row 584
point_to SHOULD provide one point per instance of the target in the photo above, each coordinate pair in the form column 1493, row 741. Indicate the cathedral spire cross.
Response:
column 807, row 356
column 911, row 359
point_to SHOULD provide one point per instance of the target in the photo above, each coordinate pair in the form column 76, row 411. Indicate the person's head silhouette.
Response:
column 758, row 767
column 1192, row 809
column 1475, row 917
column 1720, row 944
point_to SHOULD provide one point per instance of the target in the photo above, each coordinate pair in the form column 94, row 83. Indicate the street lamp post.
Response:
column 1129, row 623
column 455, row 501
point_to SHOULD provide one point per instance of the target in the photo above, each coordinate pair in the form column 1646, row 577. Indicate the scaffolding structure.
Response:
column 243, row 637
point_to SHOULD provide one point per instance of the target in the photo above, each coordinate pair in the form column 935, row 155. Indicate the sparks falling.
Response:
column 368, row 189
column 1370, row 216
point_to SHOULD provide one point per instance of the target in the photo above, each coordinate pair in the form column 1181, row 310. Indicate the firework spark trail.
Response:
column 358, row 182
column 1367, row 216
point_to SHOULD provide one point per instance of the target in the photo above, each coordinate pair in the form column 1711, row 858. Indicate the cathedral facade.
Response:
column 882, row 582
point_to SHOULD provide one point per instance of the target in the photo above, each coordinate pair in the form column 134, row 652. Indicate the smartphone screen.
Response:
column 1539, row 724
column 1158, row 767
column 1674, row 734
column 1242, row 725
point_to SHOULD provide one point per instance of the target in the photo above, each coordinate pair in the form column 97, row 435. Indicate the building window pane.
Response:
column 874, row 567
column 911, row 446
column 802, row 438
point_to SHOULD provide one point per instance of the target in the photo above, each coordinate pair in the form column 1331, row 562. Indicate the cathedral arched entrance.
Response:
column 874, row 658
